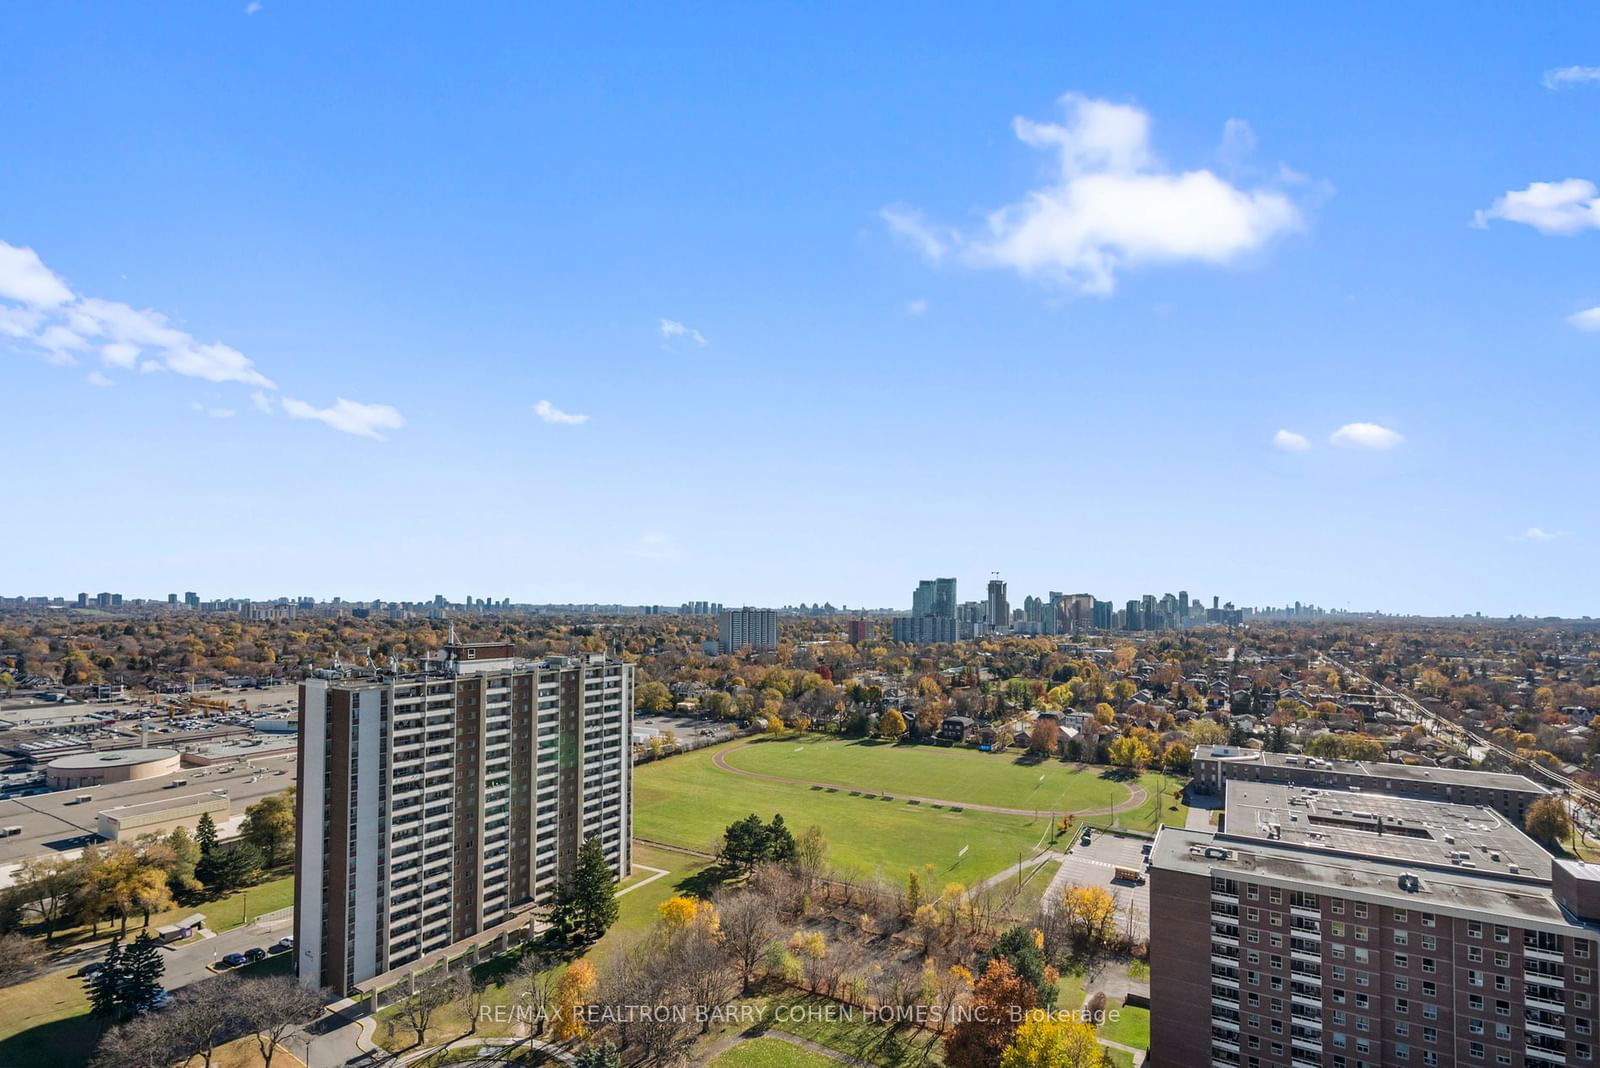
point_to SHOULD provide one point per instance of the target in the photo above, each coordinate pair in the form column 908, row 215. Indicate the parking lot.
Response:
column 1094, row 865
column 688, row 730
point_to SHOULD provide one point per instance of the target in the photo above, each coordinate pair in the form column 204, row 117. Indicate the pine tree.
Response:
column 103, row 985
column 592, row 891
column 780, row 842
column 142, row 968
column 205, row 833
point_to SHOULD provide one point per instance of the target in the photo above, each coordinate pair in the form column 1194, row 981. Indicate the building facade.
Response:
column 1359, row 931
column 753, row 627
column 435, row 804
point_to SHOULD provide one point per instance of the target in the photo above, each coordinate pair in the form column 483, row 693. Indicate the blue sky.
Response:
column 1034, row 291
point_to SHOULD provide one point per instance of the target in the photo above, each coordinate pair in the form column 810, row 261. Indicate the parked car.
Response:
column 283, row 945
column 253, row 955
column 233, row 960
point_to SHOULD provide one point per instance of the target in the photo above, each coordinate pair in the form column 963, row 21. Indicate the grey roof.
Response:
column 1485, row 780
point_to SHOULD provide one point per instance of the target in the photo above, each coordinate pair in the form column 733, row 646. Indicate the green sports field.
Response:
column 686, row 801
column 930, row 771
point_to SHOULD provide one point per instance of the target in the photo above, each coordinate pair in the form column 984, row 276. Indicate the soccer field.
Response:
column 964, row 775
column 686, row 801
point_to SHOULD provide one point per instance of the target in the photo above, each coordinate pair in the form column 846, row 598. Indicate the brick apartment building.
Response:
column 435, row 805
column 1356, row 930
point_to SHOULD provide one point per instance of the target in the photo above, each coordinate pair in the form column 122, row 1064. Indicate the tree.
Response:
column 141, row 969
column 45, row 886
column 780, row 843
column 744, row 842
column 1129, row 752
column 269, row 826
column 1045, row 1040
column 417, row 1011
column 572, row 993
column 604, row 1055
column 103, row 986
column 1043, row 738
column 1021, row 947
column 20, row 958
column 678, row 912
column 184, row 852
column 810, row 854
column 205, row 834
column 748, row 928
column 1176, row 759
column 588, row 905
column 1000, row 1001
column 274, row 1006
column 653, row 697
column 205, row 1016
column 143, row 1042
column 1089, row 913
column 1547, row 821
column 229, row 867
column 891, row 725
column 1206, row 732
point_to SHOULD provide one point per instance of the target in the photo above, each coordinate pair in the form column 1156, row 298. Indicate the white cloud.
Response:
column 1565, row 207
column 25, row 279
column 551, row 414
column 252, row 7
column 95, row 378
column 39, row 310
column 916, row 308
column 1366, row 436
column 215, row 413
column 671, row 329
column 1563, row 77
column 349, row 417
column 1539, row 534
column 1289, row 441
column 1587, row 320
column 1111, row 206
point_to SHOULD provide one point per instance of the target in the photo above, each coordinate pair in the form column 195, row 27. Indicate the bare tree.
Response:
column 696, row 960
column 748, row 927
column 143, row 1042
column 20, row 958
column 535, row 982
column 273, row 1007
column 204, row 1016
column 434, row 992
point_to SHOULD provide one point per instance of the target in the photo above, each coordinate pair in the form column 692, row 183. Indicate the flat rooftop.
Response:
column 1484, row 780
column 1435, row 834
column 1208, row 854
column 107, row 758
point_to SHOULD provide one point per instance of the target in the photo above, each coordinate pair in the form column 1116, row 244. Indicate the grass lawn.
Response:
column 838, row 1027
column 1131, row 1028
column 1120, row 1057
column 44, row 1023
column 771, row 1053
column 685, row 801
column 964, row 775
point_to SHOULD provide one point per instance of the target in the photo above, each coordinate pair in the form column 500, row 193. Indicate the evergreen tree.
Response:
column 228, row 868
column 604, row 1055
column 142, row 968
column 102, row 985
column 780, row 843
column 593, row 891
column 206, row 834
column 744, row 842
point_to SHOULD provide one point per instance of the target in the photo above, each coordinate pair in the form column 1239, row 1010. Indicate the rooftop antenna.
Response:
column 338, row 665
column 451, row 639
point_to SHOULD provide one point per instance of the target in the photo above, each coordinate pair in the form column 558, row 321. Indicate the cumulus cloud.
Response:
column 95, row 378
column 348, row 417
column 41, row 312
column 1289, row 441
column 1540, row 534
column 1111, row 205
column 671, row 330
column 1566, row 207
column 1366, row 436
column 1566, row 77
column 551, row 414
column 1587, row 320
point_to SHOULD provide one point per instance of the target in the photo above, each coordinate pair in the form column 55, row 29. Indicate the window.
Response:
column 1402, row 1006
column 1474, row 929
column 1275, row 895
column 1401, row 916
column 1361, row 910
column 1401, row 938
column 1253, row 892
column 1475, row 1049
column 1402, row 983
column 1428, row 919
column 1337, row 929
column 1502, row 933
column 1475, row 954
column 1338, row 908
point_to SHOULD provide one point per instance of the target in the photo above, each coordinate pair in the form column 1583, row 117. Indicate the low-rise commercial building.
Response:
column 126, row 822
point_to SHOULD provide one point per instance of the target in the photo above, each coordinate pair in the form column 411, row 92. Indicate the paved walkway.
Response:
column 1137, row 795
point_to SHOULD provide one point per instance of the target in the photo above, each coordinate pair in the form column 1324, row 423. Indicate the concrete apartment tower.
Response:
column 440, row 804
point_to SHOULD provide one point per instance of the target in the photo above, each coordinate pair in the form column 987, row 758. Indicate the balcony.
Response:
column 1543, row 954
